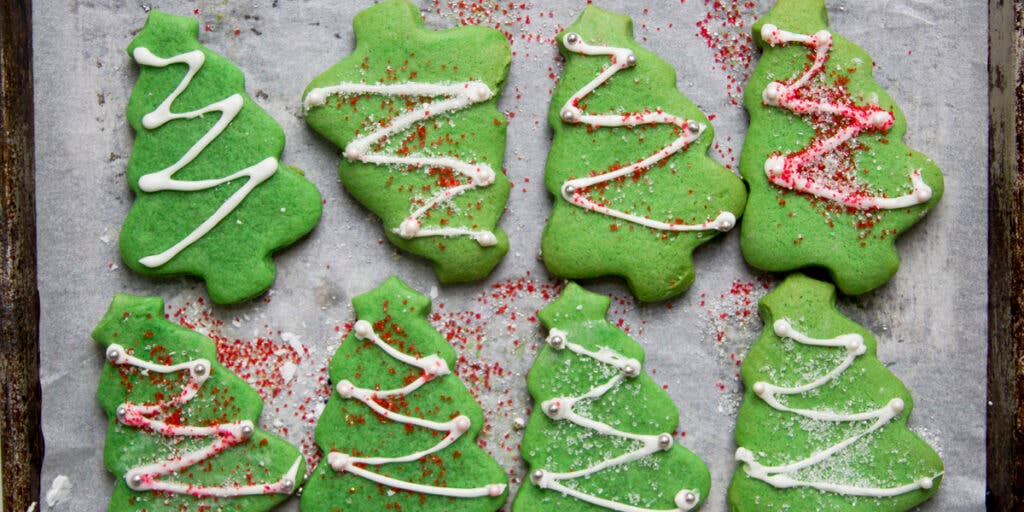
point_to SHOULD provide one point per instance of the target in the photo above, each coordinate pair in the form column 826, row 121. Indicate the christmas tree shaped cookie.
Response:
column 415, row 111
column 634, row 189
column 831, row 183
column 399, row 432
column 211, row 197
column 600, row 437
column 823, row 426
column 182, row 433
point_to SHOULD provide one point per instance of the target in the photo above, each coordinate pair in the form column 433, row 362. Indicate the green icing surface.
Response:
column 138, row 324
column 399, row 316
column 687, row 187
column 637, row 405
column 784, row 230
column 234, row 258
column 393, row 47
column 891, row 456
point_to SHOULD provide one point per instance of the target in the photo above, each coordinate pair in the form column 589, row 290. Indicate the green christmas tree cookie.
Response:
column 182, row 433
column 635, row 191
column 831, row 183
column 211, row 197
column 415, row 111
column 399, row 433
column 600, row 437
column 823, row 426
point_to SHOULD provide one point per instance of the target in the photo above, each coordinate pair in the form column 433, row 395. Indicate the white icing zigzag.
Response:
column 575, row 190
column 456, row 97
column 785, row 171
column 150, row 417
column 561, row 409
column 164, row 179
column 433, row 366
column 783, row 476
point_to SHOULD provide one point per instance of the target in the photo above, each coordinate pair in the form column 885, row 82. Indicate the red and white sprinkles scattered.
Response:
column 725, row 28
column 731, row 325
column 516, row 20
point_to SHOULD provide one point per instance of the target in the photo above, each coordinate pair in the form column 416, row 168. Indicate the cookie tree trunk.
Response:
column 399, row 432
column 823, row 425
column 601, row 433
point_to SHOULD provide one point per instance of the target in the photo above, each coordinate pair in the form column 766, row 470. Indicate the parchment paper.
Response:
column 930, row 320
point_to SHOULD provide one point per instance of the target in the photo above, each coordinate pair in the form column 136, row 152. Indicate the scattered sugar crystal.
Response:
column 59, row 491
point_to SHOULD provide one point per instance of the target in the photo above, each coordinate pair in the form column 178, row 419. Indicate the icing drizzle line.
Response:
column 456, row 97
column 574, row 190
column 432, row 366
column 782, row 476
column 152, row 417
column 164, row 179
column 561, row 409
column 785, row 170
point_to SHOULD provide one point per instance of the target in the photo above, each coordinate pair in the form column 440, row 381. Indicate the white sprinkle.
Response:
column 288, row 371
column 59, row 491
column 292, row 339
column 319, row 409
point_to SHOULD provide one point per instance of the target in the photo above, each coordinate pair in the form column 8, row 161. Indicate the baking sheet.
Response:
column 930, row 320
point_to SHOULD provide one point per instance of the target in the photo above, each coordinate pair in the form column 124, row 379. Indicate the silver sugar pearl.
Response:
column 568, row 115
column 247, row 431
column 570, row 190
column 287, row 483
column 572, row 38
column 553, row 408
column 690, row 498
column 630, row 371
column 556, row 342
column 199, row 369
column 631, row 60
column 537, row 475
column 693, row 126
column 113, row 354
column 122, row 411
column 664, row 441
column 137, row 479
